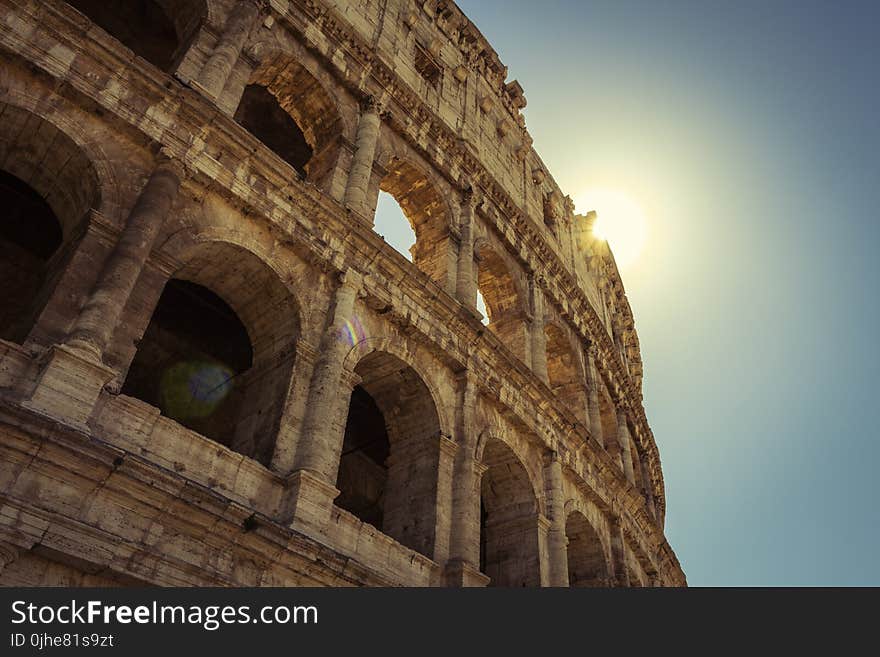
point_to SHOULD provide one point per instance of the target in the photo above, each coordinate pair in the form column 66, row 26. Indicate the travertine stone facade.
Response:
column 213, row 371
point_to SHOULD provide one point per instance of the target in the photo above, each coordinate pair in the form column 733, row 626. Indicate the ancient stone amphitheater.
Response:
column 214, row 371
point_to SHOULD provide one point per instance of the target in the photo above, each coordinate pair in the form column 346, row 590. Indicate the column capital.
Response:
column 550, row 457
column 167, row 161
column 447, row 445
column 469, row 196
column 351, row 278
column 371, row 105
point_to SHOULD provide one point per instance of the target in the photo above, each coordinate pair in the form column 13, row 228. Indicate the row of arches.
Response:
column 286, row 107
column 217, row 356
column 215, row 360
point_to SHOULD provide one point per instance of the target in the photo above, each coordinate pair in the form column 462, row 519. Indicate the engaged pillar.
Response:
column 215, row 72
column 364, row 153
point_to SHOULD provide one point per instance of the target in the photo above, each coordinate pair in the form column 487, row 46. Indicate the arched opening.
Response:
column 29, row 236
column 390, row 454
column 509, row 520
column 425, row 210
column 261, row 114
column 635, row 574
column 285, row 107
column 587, row 565
column 608, row 416
column 504, row 309
column 391, row 223
column 218, row 351
column 638, row 471
column 47, row 186
column 160, row 31
column 562, row 370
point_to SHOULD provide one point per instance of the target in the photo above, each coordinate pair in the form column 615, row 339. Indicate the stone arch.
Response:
column 509, row 517
column 48, row 185
column 160, row 31
column 564, row 370
column 219, row 349
column 587, row 557
column 505, row 302
column 390, row 457
column 635, row 574
column 289, row 109
column 428, row 214
column 608, row 417
column 399, row 348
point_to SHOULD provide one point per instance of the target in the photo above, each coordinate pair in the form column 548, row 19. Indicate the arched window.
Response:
column 587, row 565
column 218, row 352
column 192, row 359
column 390, row 455
column 288, row 109
column 425, row 211
column 509, row 520
column 563, row 371
column 160, row 31
column 501, row 299
column 261, row 114
column 391, row 223
column 29, row 236
column 47, row 187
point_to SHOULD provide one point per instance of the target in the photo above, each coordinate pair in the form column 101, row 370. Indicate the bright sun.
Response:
column 619, row 220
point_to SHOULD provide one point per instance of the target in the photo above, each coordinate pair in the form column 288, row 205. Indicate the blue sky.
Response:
column 749, row 133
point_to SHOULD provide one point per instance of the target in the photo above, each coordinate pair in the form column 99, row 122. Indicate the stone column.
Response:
column 593, row 381
column 312, row 485
column 242, row 19
column 618, row 553
column 319, row 448
column 364, row 153
column 73, row 374
column 465, row 283
column 294, row 411
column 463, row 565
column 538, row 340
column 623, row 442
column 556, row 539
column 443, row 514
column 98, row 319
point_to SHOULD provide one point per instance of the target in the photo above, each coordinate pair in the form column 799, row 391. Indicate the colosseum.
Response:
column 215, row 372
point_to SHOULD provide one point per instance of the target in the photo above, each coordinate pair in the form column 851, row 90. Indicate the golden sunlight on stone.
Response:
column 620, row 221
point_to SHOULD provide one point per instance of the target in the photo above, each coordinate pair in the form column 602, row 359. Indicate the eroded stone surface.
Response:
column 302, row 405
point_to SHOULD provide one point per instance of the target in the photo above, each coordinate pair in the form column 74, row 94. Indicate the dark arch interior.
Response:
column 260, row 112
column 391, row 450
column 363, row 474
column 30, row 234
column 190, row 361
column 586, row 557
column 508, row 520
column 158, row 31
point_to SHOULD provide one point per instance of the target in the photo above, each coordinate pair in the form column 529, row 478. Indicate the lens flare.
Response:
column 352, row 332
column 194, row 389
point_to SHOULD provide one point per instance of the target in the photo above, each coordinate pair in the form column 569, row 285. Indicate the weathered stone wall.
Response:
column 513, row 454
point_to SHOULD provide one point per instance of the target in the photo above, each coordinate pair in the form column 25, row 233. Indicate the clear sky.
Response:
column 749, row 134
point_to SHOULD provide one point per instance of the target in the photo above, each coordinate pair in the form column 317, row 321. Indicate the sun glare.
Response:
column 619, row 220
